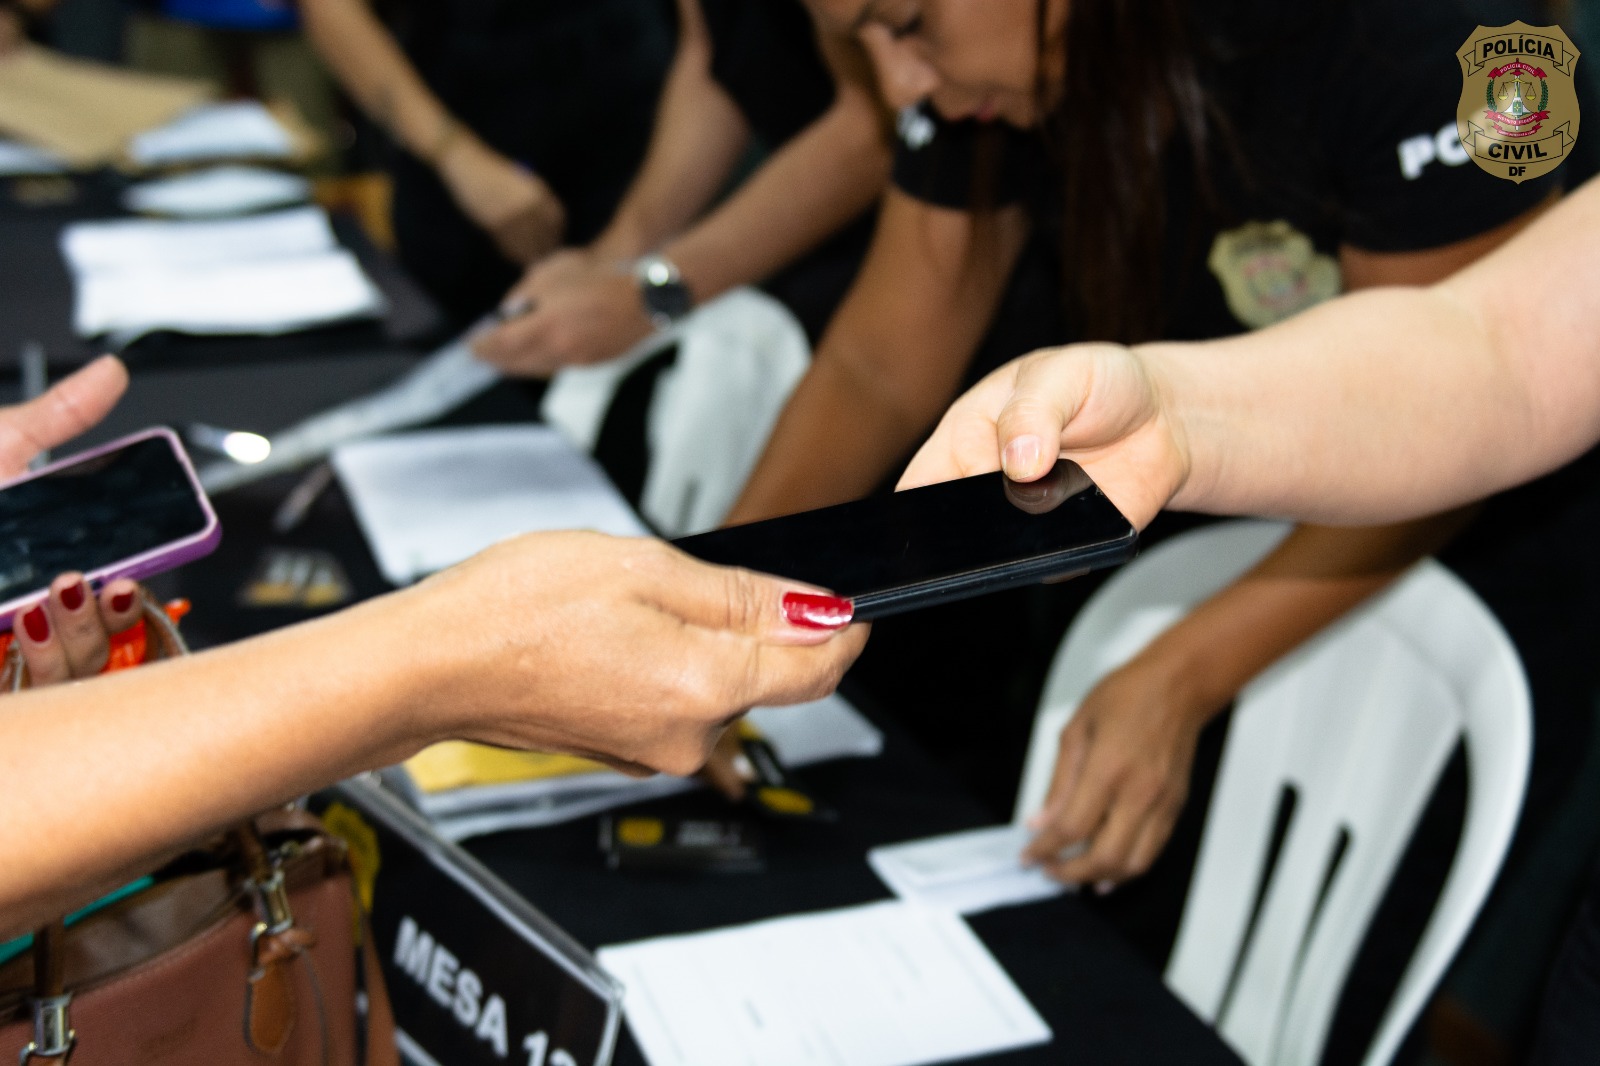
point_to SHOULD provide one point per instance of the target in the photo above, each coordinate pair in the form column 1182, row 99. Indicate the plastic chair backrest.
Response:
column 1331, row 757
column 739, row 358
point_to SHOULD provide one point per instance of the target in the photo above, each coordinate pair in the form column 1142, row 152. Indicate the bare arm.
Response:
column 892, row 357
column 699, row 136
column 1123, row 762
column 514, row 206
column 810, row 188
column 1373, row 407
column 517, row 647
column 586, row 305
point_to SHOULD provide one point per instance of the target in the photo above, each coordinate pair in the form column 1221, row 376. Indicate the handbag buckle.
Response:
column 53, row 1036
column 272, row 904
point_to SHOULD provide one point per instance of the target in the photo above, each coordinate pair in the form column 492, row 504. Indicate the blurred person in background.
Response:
column 750, row 81
column 242, row 47
column 518, row 124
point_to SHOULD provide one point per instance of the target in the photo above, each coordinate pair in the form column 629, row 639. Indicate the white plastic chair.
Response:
column 739, row 358
column 1359, row 723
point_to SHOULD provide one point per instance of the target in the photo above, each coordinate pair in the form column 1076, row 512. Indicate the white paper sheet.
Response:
column 217, row 192
column 968, row 872
column 887, row 984
column 21, row 160
column 267, row 274
column 429, row 500
column 241, row 129
column 138, row 244
column 267, row 297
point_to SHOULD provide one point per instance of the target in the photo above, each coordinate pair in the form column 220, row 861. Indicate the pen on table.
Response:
column 295, row 506
column 35, row 370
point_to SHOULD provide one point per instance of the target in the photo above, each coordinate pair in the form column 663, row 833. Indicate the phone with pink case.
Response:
column 131, row 508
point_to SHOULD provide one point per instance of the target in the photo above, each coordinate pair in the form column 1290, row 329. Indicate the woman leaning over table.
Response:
column 1183, row 172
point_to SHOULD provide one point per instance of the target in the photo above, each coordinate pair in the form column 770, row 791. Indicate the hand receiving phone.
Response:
column 131, row 508
column 935, row 544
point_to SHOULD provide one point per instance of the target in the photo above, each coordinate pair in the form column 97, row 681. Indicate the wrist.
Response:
column 663, row 293
column 1164, row 377
column 1189, row 670
column 450, row 145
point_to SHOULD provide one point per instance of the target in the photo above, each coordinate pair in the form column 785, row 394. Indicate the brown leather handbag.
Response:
column 244, row 951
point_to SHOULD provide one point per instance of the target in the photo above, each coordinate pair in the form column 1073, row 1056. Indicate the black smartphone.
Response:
column 935, row 544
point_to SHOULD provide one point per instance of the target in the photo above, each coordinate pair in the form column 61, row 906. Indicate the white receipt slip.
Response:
column 967, row 873
column 886, row 984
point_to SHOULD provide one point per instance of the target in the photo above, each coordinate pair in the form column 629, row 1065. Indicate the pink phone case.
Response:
column 146, row 564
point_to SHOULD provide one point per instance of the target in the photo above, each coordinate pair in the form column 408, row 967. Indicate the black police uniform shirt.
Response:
column 567, row 90
column 1342, row 121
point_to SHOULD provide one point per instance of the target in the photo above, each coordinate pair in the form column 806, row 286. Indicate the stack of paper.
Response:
column 217, row 193
column 268, row 274
column 470, row 790
column 966, row 873
column 239, row 129
column 887, row 984
column 429, row 500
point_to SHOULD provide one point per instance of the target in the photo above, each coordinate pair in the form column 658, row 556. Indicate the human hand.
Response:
column 622, row 650
column 71, row 406
column 518, row 210
column 1100, row 405
column 67, row 635
column 1121, row 775
column 578, row 312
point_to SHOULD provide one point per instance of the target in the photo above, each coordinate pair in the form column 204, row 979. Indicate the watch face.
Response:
column 670, row 301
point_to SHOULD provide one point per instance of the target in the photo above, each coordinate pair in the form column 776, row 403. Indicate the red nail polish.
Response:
column 72, row 596
column 811, row 610
column 121, row 601
column 37, row 623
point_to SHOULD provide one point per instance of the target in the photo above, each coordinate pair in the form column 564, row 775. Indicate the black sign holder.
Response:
column 475, row 973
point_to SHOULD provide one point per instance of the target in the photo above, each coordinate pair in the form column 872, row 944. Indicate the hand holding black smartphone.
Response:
column 935, row 544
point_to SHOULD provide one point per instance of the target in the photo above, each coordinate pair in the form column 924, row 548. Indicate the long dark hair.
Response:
column 1114, row 153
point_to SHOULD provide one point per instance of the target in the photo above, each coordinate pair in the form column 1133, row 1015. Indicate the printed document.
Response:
column 430, row 499
column 886, row 984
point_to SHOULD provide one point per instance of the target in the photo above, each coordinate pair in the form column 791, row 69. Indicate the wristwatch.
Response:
column 666, row 298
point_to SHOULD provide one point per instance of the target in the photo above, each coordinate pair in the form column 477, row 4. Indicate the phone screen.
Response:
column 936, row 543
column 108, row 508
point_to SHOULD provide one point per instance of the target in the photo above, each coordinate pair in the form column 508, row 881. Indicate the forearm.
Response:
column 838, row 437
column 1313, row 578
column 698, row 138
column 826, row 176
column 163, row 756
column 1396, row 402
column 376, row 73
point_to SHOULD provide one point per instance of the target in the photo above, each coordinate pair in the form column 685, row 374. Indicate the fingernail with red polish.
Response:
column 37, row 624
column 72, row 596
column 812, row 610
column 121, row 601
